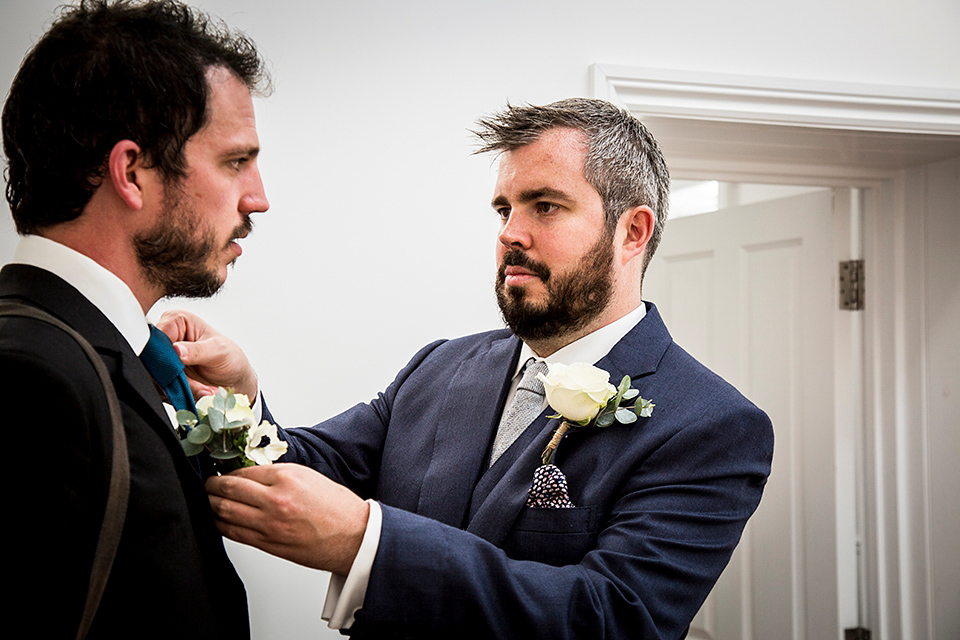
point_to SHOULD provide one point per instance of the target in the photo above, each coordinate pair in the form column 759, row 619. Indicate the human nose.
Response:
column 255, row 199
column 513, row 232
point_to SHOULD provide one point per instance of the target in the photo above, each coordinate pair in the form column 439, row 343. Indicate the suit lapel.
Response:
column 470, row 414
column 639, row 352
column 46, row 290
column 502, row 491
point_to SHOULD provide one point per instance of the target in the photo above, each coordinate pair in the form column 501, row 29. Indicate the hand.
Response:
column 211, row 359
column 293, row 512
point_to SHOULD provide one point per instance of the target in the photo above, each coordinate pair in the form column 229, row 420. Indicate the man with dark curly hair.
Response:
column 131, row 173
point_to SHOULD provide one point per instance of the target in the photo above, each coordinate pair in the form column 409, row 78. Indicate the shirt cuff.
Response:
column 345, row 594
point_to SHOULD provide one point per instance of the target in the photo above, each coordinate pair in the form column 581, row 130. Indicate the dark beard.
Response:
column 573, row 300
column 173, row 257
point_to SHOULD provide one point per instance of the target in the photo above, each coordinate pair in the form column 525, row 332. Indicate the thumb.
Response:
column 198, row 389
column 193, row 353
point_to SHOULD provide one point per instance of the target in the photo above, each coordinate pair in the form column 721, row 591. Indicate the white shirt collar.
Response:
column 591, row 347
column 105, row 290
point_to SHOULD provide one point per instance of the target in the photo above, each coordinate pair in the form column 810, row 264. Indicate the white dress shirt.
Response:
column 345, row 595
column 102, row 288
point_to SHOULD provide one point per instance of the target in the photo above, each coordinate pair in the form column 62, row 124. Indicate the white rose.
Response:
column 239, row 413
column 577, row 392
column 203, row 405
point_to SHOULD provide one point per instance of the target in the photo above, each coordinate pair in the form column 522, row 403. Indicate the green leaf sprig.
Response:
column 222, row 431
column 612, row 412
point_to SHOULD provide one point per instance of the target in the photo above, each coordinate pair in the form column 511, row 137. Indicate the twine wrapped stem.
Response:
column 551, row 448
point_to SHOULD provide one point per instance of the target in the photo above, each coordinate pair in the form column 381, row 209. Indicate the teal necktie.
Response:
column 163, row 363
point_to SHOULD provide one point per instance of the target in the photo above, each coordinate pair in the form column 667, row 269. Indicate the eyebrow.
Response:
column 251, row 151
column 531, row 195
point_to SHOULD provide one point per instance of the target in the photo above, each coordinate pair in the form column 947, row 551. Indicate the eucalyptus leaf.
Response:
column 225, row 455
column 631, row 394
column 605, row 419
column 625, row 416
column 186, row 418
column 216, row 418
column 223, row 448
column 231, row 402
column 618, row 398
column 200, row 434
column 643, row 408
column 190, row 448
column 220, row 401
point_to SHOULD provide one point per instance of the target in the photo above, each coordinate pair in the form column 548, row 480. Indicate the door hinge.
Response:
column 858, row 633
column 851, row 285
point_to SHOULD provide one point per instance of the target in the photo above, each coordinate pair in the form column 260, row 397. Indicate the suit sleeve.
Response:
column 348, row 447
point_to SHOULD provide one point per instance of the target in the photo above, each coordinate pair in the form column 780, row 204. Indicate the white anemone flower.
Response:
column 266, row 454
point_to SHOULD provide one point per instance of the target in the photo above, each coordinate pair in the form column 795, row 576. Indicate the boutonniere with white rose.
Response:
column 583, row 396
column 224, row 426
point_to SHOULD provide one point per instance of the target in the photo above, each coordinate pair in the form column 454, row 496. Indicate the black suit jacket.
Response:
column 171, row 577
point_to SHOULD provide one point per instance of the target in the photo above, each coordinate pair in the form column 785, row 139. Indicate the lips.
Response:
column 240, row 232
column 518, row 271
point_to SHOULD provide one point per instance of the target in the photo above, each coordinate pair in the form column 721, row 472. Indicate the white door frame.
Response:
column 751, row 129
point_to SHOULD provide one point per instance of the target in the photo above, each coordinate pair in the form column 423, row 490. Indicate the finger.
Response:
column 235, row 513
column 175, row 324
column 248, row 484
column 198, row 388
column 266, row 475
column 238, row 490
column 254, row 538
column 199, row 353
column 239, row 534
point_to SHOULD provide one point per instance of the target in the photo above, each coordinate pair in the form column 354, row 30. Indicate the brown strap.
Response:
column 119, row 490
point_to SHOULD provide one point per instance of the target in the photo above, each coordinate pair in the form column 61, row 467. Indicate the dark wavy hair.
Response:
column 623, row 161
column 105, row 72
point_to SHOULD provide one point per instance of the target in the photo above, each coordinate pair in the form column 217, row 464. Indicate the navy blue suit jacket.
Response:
column 660, row 504
column 171, row 577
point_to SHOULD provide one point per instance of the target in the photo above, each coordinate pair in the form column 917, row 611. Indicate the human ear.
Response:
column 123, row 165
column 638, row 223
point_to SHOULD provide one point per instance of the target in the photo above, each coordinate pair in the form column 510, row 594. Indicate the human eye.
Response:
column 503, row 212
column 546, row 207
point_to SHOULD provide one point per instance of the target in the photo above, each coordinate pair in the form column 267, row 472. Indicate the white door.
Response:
column 749, row 291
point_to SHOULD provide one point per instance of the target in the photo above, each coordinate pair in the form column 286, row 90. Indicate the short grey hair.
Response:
column 623, row 161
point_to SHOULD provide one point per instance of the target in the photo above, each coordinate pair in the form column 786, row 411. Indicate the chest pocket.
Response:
column 556, row 537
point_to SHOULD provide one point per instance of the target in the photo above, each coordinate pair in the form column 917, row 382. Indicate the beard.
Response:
column 175, row 253
column 574, row 299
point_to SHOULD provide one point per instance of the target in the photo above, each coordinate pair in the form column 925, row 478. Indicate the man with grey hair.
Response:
column 433, row 505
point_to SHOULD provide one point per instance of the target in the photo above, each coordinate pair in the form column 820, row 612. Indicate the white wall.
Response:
column 380, row 237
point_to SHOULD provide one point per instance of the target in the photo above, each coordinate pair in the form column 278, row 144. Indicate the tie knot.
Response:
column 160, row 358
column 529, row 380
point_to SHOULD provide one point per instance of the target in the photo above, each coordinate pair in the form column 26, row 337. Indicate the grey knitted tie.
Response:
column 526, row 406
